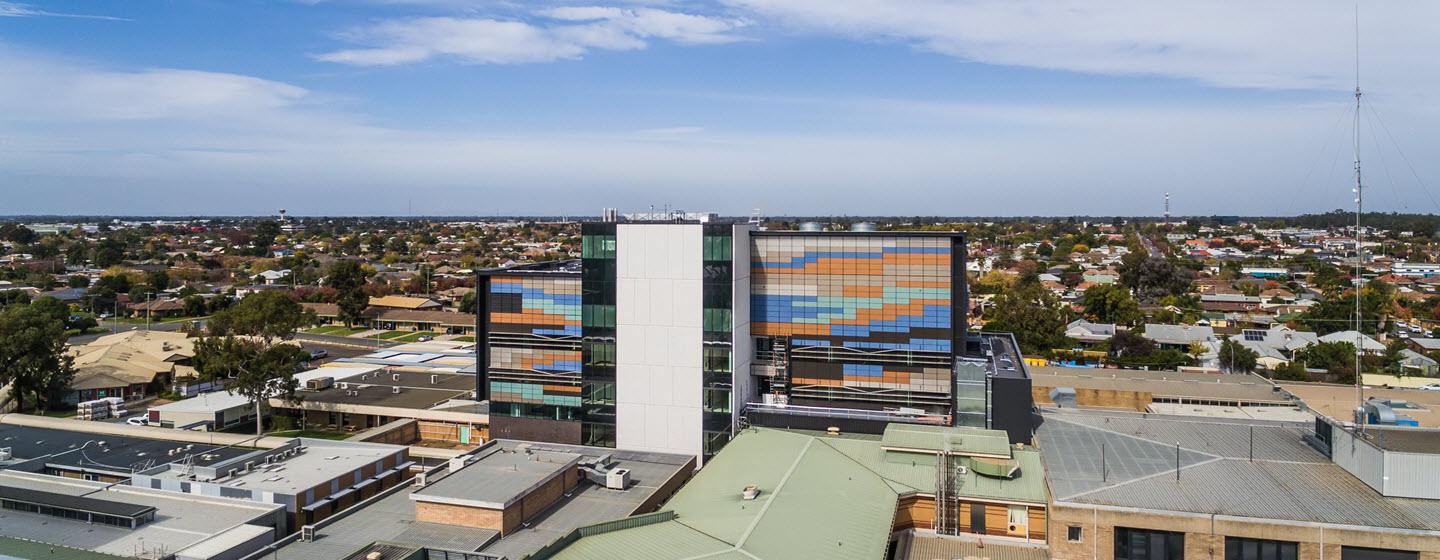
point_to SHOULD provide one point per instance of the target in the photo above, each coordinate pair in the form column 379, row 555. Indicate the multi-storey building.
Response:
column 665, row 336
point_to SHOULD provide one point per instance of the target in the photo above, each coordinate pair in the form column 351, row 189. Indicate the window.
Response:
column 1237, row 548
column 1361, row 553
column 1018, row 515
column 1074, row 533
column 1147, row 544
column 717, row 359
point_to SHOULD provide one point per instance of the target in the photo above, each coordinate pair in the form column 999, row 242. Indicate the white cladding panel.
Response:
column 658, row 316
column 744, row 383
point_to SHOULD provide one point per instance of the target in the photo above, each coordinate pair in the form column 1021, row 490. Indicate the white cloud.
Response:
column 1279, row 44
column 80, row 138
column 569, row 34
column 16, row 9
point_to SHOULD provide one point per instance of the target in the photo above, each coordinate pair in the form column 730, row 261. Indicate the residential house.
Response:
column 405, row 302
column 129, row 365
column 273, row 277
column 1179, row 337
column 157, row 308
column 1367, row 344
column 1088, row 333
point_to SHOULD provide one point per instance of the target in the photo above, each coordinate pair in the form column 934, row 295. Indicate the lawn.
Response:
column 335, row 330
column 412, row 337
column 466, row 338
column 312, row 434
column 392, row 335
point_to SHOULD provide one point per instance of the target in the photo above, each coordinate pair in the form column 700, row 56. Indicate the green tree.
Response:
column 1032, row 313
column 1293, row 370
column 109, row 252
column 194, row 305
column 467, row 302
column 1336, row 358
column 348, row 279
column 1152, row 278
column 1110, row 303
column 33, row 360
column 77, row 281
column 1235, row 357
column 247, row 344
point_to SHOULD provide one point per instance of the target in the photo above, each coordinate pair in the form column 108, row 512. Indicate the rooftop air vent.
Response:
column 750, row 492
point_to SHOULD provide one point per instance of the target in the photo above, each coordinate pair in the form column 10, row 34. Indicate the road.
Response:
column 1150, row 246
column 106, row 327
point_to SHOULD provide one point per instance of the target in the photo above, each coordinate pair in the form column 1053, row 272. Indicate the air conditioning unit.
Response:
column 617, row 479
column 1017, row 529
column 5, row 454
column 420, row 480
column 307, row 533
column 320, row 383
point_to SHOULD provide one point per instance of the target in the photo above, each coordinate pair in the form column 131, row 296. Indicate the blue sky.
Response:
column 977, row 107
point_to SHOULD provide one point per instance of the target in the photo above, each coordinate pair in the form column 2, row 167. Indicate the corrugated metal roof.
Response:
column 820, row 497
column 1287, row 480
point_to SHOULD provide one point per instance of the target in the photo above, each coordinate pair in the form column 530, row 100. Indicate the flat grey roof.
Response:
column 73, row 503
column 1287, row 480
column 499, row 477
column 181, row 520
column 319, row 462
column 1169, row 384
column 76, row 449
column 380, row 395
column 391, row 518
column 1403, row 440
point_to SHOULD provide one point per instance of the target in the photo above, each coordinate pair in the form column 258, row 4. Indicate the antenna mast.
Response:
column 1359, row 236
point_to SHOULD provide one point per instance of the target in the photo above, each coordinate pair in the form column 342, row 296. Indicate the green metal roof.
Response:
column 1027, row 486
column 821, row 496
column 814, row 502
column 956, row 440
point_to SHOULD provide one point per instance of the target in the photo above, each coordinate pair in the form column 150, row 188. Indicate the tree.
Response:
column 348, row 279
column 1032, row 313
column 17, row 234
column 467, row 302
column 1152, row 277
column 1336, row 358
column 1293, row 370
column 33, row 360
column 77, row 281
column 109, row 252
column 247, row 345
column 1110, row 303
column 194, row 305
column 1235, row 357
column 1130, row 349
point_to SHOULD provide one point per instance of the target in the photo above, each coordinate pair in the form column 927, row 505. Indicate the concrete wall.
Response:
column 404, row 431
column 745, row 387
column 658, row 320
column 663, row 493
column 1138, row 401
column 1205, row 535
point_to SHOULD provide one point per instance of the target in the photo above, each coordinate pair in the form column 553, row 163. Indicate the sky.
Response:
column 785, row 107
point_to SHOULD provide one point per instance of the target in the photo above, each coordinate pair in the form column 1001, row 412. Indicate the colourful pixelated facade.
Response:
column 534, row 349
column 863, row 318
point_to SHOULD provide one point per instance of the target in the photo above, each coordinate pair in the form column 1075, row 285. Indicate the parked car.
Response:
column 138, row 421
column 423, row 339
column 318, row 353
column 1430, row 387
